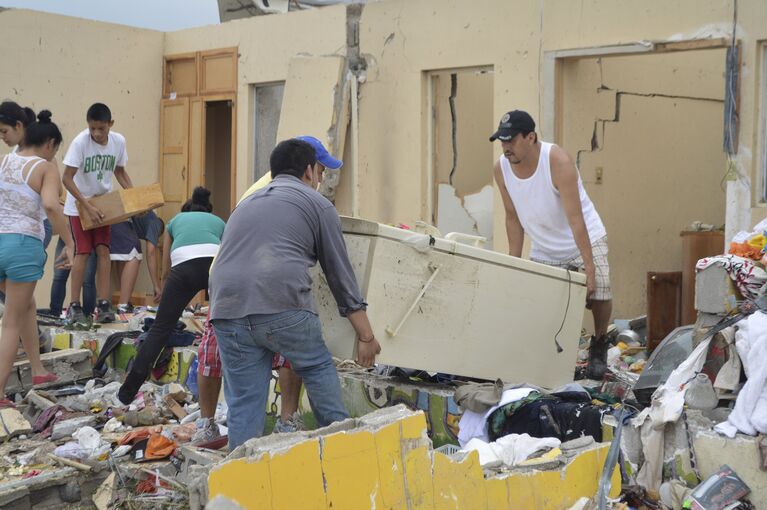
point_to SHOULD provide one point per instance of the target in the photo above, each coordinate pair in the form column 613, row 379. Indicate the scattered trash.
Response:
column 718, row 491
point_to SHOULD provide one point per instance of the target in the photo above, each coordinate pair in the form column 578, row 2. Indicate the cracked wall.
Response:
column 462, row 113
column 647, row 132
column 385, row 460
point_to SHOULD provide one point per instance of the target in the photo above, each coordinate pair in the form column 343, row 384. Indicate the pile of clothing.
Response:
column 492, row 411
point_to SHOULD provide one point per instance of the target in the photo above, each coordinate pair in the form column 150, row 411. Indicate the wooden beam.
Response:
column 694, row 44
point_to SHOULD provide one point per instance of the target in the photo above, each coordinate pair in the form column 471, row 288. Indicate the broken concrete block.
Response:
column 68, row 427
column 104, row 494
column 69, row 365
column 715, row 292
column 38, row 400
column 13, row 424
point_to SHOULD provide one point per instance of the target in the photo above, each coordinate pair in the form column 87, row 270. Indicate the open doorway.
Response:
column 461, row 156
column 218, row 155
column 646, row 132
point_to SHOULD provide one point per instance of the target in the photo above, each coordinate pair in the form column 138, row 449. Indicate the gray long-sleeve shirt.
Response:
column 271, row 240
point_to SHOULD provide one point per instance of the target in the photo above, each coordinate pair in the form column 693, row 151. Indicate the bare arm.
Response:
column 50, row 189
column 69, row 184
column 514, row 230
column 123, row 178
column 564, row 175
column 151, row 264
column 367, row 345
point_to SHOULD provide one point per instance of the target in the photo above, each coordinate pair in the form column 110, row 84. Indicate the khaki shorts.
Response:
column 599, row 252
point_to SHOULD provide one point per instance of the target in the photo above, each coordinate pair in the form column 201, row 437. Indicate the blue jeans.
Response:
column 59, row 285
column 247, row 346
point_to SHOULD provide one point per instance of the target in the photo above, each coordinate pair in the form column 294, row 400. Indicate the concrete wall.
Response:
column 402, row 41
column 648, row 178
column 65, row 64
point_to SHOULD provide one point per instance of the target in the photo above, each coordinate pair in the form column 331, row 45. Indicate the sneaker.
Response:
column 125, row 308
column 292, row 424
column 207, row 431
column 75, row 314
column 104, row 312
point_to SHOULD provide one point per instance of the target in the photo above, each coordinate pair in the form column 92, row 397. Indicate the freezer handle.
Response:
column 434, row 271
column 469, row 239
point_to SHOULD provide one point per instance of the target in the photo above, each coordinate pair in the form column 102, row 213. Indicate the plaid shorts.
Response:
column 209, row 359
column 209, row 363
column 602, row 268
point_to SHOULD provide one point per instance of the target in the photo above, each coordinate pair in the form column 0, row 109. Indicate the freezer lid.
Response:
column 358, row 226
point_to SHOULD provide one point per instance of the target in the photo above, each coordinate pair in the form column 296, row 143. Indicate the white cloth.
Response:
column 21, row 209
column 192, row 251
column 541, row 213
column 666, row 407
column 509, row 450
column 729, row 375
column 750, row 413
column 474, row 425
column 95, row 165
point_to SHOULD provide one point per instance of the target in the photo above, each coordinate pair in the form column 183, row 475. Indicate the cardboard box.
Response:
column 121, row 204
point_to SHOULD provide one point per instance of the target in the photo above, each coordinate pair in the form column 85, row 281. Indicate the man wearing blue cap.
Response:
column 269, row 307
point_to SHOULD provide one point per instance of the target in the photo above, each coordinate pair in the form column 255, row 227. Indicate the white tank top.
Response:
column 21, row 209
column 542, row 214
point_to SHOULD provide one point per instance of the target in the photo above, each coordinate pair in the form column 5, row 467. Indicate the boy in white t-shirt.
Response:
column 94, row 155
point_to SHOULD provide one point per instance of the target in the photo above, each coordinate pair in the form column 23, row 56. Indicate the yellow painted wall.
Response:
column 65, row 64
column 389, row 465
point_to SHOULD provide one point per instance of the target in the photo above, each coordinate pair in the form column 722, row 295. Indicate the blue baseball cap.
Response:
column 323, row 156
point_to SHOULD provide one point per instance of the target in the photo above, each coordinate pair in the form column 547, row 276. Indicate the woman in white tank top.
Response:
column 29, row 188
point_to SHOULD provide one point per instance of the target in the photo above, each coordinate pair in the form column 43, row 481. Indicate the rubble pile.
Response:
column 82, row 435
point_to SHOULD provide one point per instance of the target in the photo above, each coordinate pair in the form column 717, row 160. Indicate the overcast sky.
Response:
column 162, row 15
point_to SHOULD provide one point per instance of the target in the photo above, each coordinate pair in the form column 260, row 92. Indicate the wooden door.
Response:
column 174, row 155
column 664, row 306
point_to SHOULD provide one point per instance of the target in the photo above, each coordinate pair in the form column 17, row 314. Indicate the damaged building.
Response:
column 663, row 105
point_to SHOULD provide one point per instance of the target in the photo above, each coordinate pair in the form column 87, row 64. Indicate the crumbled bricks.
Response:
column 68, row 427
column 69, row 365
column 13, row 424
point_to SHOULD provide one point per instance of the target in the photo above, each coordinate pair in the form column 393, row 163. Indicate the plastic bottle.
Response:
column 191, row 378
column 700, row 394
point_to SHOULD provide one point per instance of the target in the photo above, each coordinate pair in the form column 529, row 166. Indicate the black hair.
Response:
column 40, row 132
column 11, row 113
column 99, row 112
column 525, row 133
column 291, row 157
column 200, row 201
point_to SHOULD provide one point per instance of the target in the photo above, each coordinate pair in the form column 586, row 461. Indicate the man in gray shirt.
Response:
column 260, row 293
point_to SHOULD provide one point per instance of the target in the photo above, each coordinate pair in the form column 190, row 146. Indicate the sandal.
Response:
column 44, row 379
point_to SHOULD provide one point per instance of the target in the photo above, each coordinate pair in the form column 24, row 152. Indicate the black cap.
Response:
column 512, row 123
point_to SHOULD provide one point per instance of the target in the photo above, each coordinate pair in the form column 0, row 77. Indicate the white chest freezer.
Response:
column 444, row 306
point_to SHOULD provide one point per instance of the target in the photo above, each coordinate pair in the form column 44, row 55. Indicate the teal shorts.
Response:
column 22, row 258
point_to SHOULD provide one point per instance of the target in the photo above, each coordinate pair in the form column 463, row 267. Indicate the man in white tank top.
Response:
column 544, row 197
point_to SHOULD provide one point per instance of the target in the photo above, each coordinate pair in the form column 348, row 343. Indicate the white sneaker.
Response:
column 207, row 431
column 292, row 424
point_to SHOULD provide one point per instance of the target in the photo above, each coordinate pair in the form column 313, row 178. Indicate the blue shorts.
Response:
column 124, row 243
column 22, row 258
